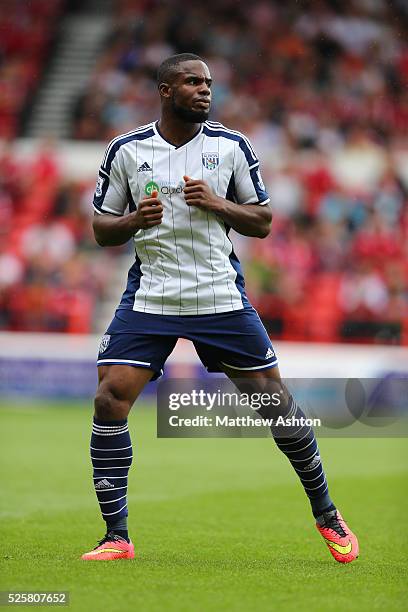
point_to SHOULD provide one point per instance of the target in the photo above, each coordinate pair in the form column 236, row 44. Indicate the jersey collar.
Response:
column 159, row 134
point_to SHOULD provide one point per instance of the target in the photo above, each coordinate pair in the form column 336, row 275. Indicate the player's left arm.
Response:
column 253, row 219
column 249, row 214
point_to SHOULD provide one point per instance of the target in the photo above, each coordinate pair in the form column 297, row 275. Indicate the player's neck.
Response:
column 176, row 131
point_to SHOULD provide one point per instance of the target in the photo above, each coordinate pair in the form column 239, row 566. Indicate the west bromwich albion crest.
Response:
column 104, row 343
column 210, row 160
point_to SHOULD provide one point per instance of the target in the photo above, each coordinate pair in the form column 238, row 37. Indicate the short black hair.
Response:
column 164, row 72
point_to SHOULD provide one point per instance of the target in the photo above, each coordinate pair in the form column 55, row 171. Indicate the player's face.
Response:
column 191, row 92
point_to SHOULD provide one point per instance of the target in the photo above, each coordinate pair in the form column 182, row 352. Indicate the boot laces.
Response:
column 333, row 522
column 109, row 537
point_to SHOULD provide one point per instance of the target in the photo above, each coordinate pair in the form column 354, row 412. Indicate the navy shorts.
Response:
column 235, row 339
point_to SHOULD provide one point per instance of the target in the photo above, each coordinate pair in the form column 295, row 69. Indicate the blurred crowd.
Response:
column 321, row 88
column 52, row 274
column 27, row 30
column 302, row 72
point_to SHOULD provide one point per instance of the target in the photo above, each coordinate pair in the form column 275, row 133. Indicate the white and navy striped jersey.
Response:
column 186, row 265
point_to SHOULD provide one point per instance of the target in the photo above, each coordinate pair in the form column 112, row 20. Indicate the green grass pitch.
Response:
column 218, row 524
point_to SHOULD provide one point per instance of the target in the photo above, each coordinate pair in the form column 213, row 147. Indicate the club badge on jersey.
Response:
column 210, row 160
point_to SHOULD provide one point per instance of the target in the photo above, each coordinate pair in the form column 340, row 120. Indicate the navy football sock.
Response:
column 299, row 445
column 111, row 454
column 119, row 527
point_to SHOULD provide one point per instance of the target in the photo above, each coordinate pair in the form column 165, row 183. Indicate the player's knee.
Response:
column 277, row 402
column 108, row 406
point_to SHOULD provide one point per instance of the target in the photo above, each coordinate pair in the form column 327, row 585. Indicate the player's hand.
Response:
column 149, row 212
column 198, row 193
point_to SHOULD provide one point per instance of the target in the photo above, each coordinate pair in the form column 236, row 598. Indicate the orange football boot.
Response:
column 341, row 541
column 110, row 548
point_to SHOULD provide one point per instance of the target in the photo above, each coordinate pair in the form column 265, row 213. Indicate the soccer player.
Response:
column 185, row 181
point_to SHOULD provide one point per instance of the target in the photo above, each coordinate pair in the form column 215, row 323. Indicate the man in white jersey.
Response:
column 177, row 186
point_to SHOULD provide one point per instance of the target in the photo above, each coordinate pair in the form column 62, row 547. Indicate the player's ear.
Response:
column 165, row 90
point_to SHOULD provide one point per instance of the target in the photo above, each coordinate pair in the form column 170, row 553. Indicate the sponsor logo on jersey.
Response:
column 99, row 185
column 162, row 187
column 210, row 160
column 150, row 187
column 104, row 343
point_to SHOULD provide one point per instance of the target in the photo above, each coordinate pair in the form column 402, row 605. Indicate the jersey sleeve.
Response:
column 111, row 187
column 248, row 185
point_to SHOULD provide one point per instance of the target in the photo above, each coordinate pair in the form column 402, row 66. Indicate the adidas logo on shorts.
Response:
column 269, row 353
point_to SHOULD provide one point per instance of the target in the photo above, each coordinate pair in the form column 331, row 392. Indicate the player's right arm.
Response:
column 110, row 224
column 113, row 231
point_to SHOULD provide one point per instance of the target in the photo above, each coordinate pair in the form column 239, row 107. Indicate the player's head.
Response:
column 184, row 83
